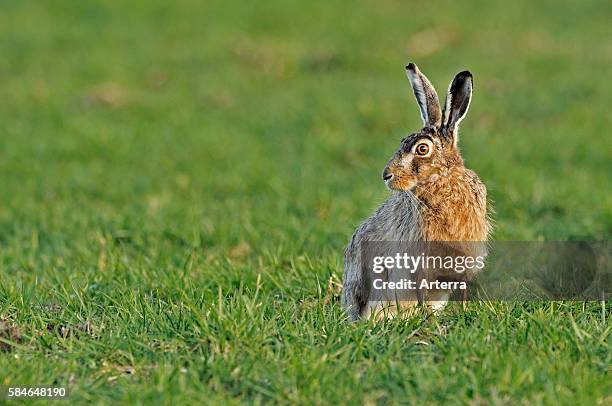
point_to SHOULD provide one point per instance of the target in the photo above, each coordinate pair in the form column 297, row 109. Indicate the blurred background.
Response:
column 242, row 126
column 178, row 181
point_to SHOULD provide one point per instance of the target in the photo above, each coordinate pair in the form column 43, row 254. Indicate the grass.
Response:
column 178, row 182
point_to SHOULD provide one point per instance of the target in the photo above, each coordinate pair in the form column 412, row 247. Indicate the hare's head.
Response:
column 432, row 151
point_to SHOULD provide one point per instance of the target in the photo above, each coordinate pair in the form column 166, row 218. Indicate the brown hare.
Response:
column 436, row 198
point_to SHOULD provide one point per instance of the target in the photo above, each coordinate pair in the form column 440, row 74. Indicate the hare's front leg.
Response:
column 437, row 300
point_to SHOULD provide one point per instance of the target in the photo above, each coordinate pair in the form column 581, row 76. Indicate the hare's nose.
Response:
column 387, row 175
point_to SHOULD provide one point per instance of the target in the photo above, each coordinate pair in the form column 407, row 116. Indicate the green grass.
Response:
column 178, row 181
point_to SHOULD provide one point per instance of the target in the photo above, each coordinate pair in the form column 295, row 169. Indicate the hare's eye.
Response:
column 422, row 149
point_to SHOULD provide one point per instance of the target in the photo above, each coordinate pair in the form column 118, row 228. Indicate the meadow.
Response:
column 178, row 181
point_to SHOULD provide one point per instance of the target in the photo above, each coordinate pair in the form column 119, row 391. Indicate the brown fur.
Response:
column 454, row 210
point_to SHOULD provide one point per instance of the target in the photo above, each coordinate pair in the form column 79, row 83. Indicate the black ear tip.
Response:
column 465, row 74
column 411, row 66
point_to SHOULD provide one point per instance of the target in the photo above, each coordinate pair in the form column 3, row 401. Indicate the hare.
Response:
column 436, row 198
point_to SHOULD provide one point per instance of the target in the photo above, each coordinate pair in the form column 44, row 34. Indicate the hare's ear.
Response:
column 457, row 102
column 426, row 96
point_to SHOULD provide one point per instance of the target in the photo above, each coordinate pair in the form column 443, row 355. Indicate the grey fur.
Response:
column 397, row 219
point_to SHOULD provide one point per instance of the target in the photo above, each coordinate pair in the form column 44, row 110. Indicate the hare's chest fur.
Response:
column 397, row 219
